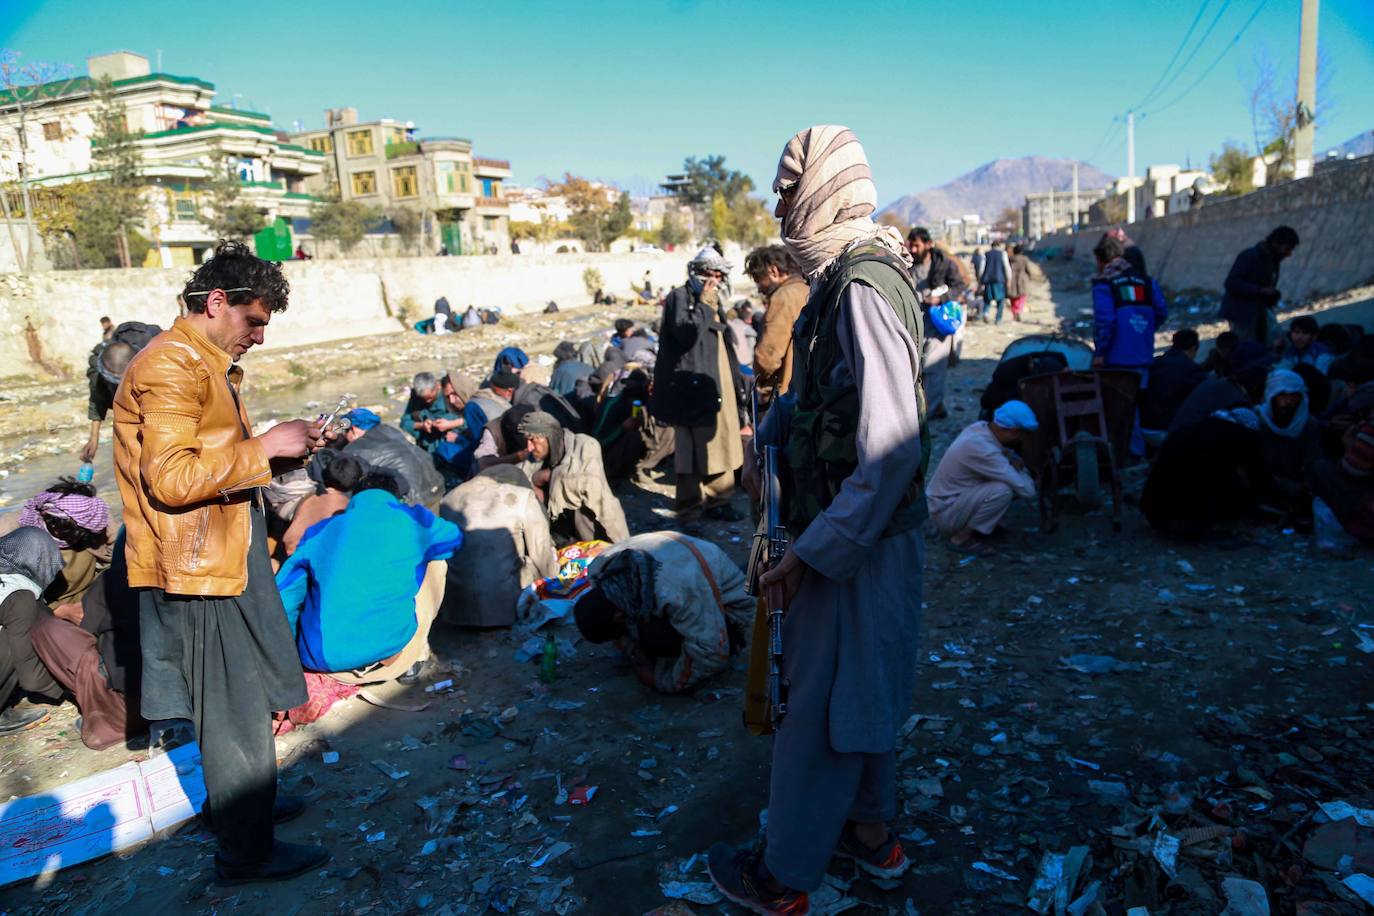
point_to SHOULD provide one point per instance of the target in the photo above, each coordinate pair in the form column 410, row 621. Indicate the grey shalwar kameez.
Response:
column 850, row 637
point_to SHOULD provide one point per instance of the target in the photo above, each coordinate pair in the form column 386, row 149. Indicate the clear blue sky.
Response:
column 623, row 91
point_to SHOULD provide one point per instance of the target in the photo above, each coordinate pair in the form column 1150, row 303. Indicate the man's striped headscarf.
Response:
column 835, row 198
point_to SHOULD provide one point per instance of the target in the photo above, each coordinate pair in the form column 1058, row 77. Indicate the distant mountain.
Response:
column 1361, row 145
column 991, row 187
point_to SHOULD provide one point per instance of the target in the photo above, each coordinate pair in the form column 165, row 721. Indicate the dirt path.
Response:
column 1079, row 689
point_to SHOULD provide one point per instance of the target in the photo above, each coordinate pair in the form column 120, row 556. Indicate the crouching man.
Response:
column 979, row 476
column 675, row 604
column 363, row 587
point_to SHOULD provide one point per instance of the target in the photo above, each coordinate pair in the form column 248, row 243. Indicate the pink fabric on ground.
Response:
column 323, row 692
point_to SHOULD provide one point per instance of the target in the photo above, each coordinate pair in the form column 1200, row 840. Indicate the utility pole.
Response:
column 1130, row 166
column 1073, row 219
column 1307, row 91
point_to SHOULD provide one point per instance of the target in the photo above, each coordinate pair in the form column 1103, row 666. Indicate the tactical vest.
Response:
column 821, row 449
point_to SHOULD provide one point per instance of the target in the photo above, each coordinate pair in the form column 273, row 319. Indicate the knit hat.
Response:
column 1015, row 415
column 542, row 424
column 505, row 379
column 463, row 386
column 362, row 418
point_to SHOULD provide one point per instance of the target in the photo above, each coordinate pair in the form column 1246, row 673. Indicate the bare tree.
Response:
column 27, row 84
column 1274, row 115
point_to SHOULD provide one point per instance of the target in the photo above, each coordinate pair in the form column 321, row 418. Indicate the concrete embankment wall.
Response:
column 1333, row 212
column 330, row 300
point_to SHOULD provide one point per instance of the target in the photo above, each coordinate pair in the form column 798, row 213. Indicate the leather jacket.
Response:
column 187, row 466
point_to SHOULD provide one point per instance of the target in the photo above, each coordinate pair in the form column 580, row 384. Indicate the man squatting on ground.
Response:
column 854, row 454
column 218, row 655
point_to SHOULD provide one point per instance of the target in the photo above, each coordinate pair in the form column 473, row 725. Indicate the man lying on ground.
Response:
column 675, row 604
column 364, row 586
column 570, row 475
column 978, row 477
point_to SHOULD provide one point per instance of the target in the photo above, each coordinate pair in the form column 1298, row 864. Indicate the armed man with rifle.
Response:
column 852, row 449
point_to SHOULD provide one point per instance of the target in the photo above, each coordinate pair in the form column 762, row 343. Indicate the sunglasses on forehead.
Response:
column 206, row 292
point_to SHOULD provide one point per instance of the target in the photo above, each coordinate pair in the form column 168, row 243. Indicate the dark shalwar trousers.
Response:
column 226, row 664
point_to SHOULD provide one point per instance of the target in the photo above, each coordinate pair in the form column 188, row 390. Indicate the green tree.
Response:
column 708, row 176
column 229, row 216
column 342, row 221
column 751, row 222
column 116, row 205
column 721, row 222
column 1232, row 168
column 408, row 224
column 594, row 218
column 620, row 219
column 672, row 232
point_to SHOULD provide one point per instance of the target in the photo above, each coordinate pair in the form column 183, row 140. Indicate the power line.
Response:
column 1224, row 51
column 1191, row 56
column 1177, row 51
column 1108, row 136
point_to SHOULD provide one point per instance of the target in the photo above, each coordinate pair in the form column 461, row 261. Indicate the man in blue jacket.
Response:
column 364, row 586
column 1252, row 285
column 1127, row 308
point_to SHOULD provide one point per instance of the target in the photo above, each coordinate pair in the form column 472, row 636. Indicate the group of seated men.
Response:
column 1285, row 432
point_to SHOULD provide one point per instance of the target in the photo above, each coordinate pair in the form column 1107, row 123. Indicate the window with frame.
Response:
column 185, row 209
column 360, row 143
column 447, row 177
column 364, row 183
column 52, row 130
column 323, row 144
column 403, row 182
column 395, row 135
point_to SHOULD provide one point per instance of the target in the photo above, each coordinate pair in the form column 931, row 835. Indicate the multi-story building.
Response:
column 1048, row 211
column 180, row 130
column 384, row 163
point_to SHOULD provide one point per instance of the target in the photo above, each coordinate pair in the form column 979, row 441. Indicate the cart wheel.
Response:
column 1087, row 476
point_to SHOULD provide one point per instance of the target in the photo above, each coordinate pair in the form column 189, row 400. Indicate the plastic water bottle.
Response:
column 86, row 473
column 637, row 409
column 548, row 664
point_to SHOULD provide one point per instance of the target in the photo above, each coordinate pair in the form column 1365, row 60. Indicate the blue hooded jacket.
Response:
column 349, row 589
column 1127, row 308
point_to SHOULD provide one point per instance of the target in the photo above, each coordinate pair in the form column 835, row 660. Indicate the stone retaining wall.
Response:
column 1333, row 212
column 330, row 300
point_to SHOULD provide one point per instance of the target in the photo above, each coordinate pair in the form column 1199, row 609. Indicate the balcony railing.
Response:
column 481, row 162
column 481, row 201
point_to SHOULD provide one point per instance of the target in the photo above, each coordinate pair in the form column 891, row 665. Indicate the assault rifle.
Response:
column 769, row 550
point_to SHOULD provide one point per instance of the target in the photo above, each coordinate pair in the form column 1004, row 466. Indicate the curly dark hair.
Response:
column 760, row 259
column 234, row 267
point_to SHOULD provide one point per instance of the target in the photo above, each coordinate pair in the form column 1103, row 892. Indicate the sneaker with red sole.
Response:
column 887, row 861
column 736, row 875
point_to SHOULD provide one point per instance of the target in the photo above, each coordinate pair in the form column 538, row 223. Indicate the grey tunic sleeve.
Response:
column 883, row 360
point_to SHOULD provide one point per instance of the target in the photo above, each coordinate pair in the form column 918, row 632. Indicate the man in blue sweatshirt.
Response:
column 364, row 586
column 1127, row 308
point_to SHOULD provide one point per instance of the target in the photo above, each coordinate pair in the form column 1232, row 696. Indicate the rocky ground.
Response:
column 1163, row 726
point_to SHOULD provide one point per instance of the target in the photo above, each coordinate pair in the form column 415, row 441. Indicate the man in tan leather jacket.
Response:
column 779, row 280
column 218, row 656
